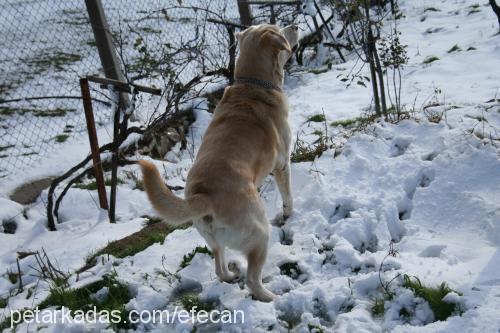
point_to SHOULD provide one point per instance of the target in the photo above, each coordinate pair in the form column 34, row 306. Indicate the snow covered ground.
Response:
column 428, row 191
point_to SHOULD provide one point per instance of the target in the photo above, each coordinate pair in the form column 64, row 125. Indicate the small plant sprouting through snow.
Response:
column 186, row 260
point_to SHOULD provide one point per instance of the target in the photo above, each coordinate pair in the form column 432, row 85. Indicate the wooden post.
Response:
column 94, row 145
column 273, row 17
column 245, row 13
column 104, row 41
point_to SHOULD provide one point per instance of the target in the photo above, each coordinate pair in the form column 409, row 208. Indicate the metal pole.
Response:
column 114, row 168
column 94, row 145
column 114, row 165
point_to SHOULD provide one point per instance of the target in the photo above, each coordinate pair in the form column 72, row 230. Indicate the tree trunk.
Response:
column 373, row 75
column 496, row 9
column 393, row 7
column 369, row 43
column 380, row 77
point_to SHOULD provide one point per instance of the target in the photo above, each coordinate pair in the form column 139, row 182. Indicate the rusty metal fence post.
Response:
column 94, row 144
column 119, row 126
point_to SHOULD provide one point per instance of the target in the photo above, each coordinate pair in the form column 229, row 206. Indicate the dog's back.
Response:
column 240, row 146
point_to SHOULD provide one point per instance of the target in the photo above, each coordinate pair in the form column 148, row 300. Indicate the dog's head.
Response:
column 264, row 50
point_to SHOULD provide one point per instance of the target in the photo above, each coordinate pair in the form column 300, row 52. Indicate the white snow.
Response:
column 429, row 190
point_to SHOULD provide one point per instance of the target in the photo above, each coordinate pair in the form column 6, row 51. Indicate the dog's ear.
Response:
column 240, row 34
column 277, row 41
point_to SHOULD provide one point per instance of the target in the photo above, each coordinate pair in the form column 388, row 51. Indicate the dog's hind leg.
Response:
column 282, row 176
column 256, row 257
column 204, row 227
column 220, row 265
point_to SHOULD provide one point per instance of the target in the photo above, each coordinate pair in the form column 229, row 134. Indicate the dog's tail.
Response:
column 174, row 210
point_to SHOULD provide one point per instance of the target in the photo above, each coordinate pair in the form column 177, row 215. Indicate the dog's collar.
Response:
column 258, row 82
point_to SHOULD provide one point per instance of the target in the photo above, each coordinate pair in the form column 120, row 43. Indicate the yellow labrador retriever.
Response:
column 247, row 139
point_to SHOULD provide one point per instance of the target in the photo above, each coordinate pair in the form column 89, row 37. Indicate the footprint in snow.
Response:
column 430, row 156
column 399, row 146
column 432, row 251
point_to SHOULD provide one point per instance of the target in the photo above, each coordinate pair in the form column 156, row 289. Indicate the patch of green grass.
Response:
column 108, row 182
column 57, row 112
column 475, row 8
column 317, row 118
column 150, row 30
column 139, row 185
column 3, row 302
column 12, row 277
column 49, row 59
column 431, row 9
column 378, row 307
column 290, row 269
column 60, row 138
column 29, row 293
column 471, row 48
column 346, row 307
column 186, row 260
column 404, row 313
column 5, row 324
column 132, row 244
column 191, row 301
column 91, row 42
column 2, row 148
column 81, row 299
column 138, row 241
column 92, row 186
column 70, row 11
column 430, row 59
column 454, row 48
column 317, row 132
column 150, row 220
column 29, row 153
column 7, row 111
column 345, row 122
column 315, row 328
column 434, row 296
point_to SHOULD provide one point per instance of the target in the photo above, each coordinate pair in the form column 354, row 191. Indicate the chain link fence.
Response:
column 49, row 44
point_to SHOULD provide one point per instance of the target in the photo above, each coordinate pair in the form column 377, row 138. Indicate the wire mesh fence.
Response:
column 49, row 44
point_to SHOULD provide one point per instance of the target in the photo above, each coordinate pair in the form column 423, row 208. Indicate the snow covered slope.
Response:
column 426, row 192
